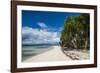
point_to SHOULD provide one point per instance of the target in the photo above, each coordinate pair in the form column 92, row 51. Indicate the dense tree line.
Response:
column 75, row 33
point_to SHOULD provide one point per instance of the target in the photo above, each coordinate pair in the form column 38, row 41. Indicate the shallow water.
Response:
column 32, row 50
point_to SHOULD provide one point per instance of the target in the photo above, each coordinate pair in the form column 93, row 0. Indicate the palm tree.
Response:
column 75, row 33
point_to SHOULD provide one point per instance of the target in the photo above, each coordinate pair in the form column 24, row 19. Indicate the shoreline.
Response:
column 55, row 54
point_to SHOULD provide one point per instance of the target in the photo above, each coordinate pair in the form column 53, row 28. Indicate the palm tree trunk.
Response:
column 73, row 42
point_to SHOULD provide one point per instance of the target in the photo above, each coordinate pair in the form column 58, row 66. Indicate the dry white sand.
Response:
column 78, row 54
column 54, row 54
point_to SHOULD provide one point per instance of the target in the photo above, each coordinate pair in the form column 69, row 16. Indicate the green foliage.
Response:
column 75, row 33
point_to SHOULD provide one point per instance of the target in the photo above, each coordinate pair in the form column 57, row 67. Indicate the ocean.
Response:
column 33, row 50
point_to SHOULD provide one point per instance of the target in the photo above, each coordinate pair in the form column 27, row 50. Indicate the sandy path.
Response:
column 52, row 55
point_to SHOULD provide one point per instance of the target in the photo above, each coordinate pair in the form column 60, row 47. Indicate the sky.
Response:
column 43, row 27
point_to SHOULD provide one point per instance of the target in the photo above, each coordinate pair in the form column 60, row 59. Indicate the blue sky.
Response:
column 42, row 26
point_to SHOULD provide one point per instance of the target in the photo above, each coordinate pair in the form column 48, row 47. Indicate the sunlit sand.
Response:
column 54, row 54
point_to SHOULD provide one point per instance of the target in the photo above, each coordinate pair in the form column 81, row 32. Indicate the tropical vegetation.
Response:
column 76, row 32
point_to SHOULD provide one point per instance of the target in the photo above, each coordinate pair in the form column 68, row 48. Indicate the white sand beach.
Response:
column 54, row 54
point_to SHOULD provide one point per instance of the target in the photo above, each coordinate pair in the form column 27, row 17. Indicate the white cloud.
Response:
column 38, row 36
column 42, row 25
